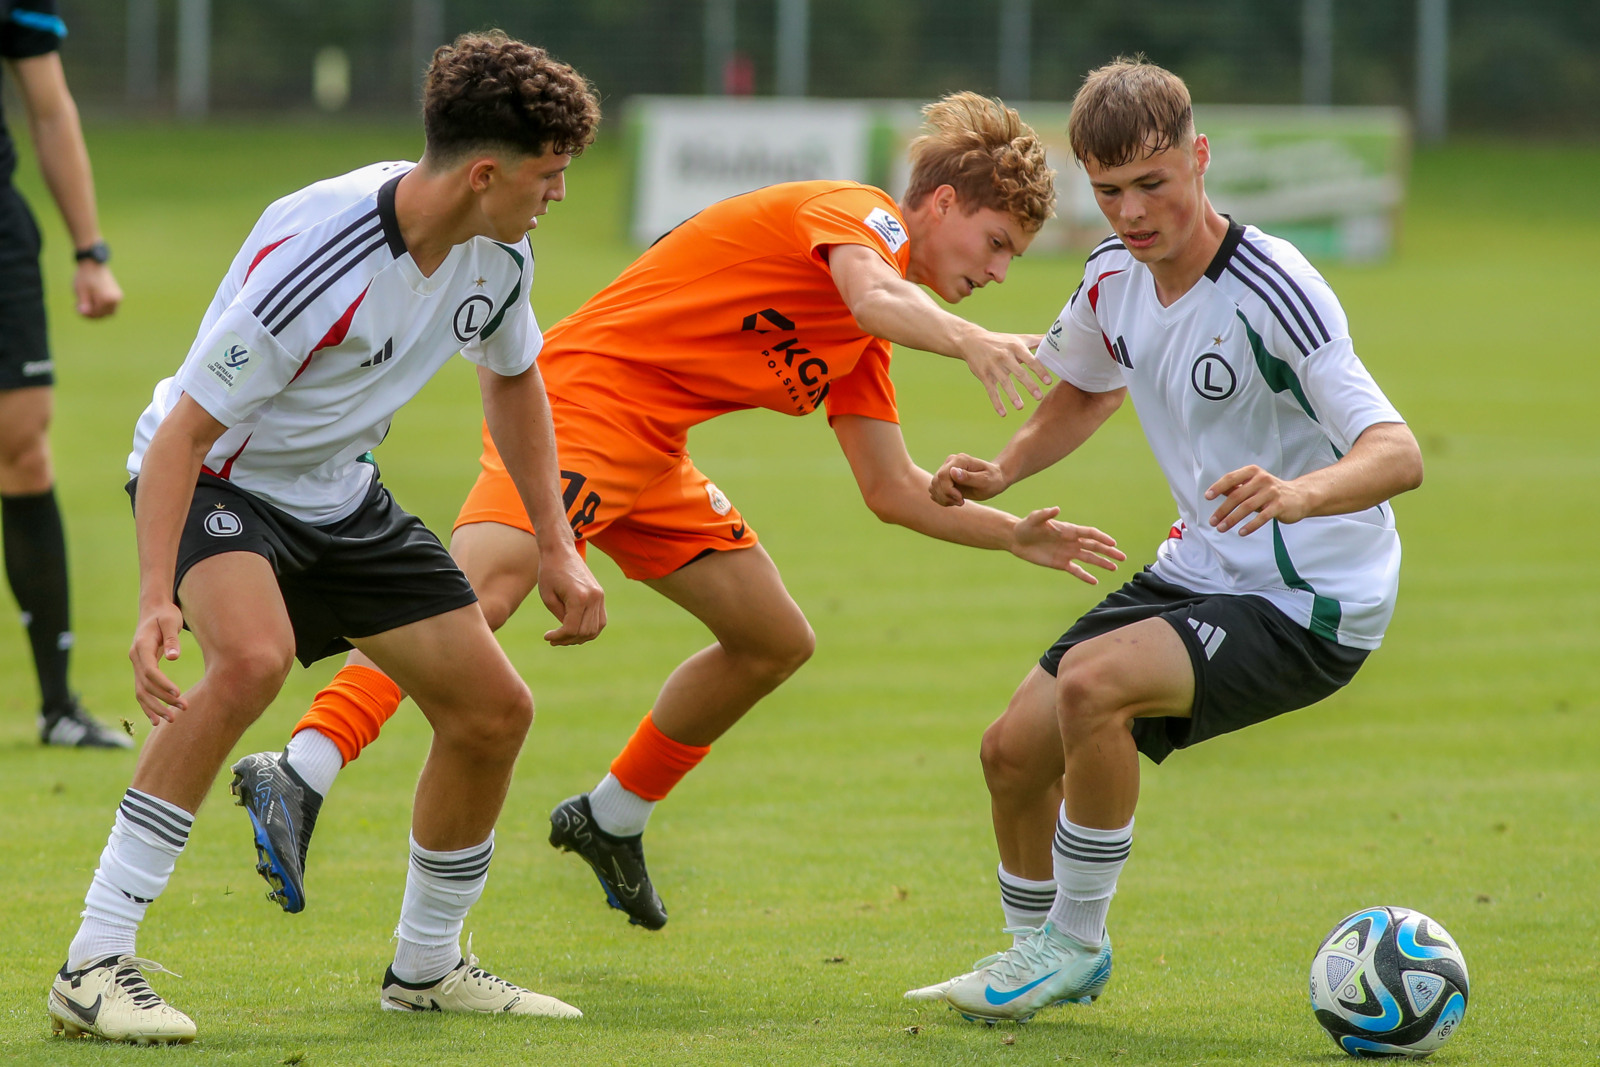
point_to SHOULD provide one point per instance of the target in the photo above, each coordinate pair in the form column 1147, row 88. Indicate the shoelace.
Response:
column 128, row 976
column 1027, row 955
column 472, row 970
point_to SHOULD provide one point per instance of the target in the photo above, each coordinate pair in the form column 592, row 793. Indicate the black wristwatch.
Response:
column 100, row 252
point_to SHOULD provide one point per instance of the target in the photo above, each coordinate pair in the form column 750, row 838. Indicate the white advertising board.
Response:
column 1330, row 179
column 695, row 151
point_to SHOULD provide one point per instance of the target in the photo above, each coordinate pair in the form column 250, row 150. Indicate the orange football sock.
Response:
column 651, row 763
column 352, row 709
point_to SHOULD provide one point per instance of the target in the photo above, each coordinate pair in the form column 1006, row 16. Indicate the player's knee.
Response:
column 497, row 607
column 1013, row 767
column 1088, row 697
column 790, row 652
column 514, row 718
column 493, row 723
column 251, row 674
column 777, row 651
column 25, row 463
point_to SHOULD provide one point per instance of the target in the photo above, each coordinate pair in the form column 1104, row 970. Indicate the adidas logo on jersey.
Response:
column 382, row 355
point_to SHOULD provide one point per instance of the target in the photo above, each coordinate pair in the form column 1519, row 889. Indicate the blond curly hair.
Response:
column 980, row 147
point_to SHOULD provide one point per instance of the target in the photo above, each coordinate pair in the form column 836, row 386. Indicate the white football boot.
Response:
column 930, row 994
column 1042, row 969
column 111, row 999
column 471, row 988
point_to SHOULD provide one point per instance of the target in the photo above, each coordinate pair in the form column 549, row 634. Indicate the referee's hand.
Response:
column 96, row 290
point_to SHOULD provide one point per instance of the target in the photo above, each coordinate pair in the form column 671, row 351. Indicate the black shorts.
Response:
column 1251, row 661
column 24, row 349
column 376, row 570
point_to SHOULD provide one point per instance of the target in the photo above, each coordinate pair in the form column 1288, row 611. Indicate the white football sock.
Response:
column 1087, row 863
column 315, row 758
column 617, row 811
column 440, row 888
column 134, row 868
column 1024, row 901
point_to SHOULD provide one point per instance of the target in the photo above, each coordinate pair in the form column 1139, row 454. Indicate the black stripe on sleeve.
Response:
column 1305, row 300
column 358, row 242
column 1276, row 311
column 325, row 286
column 1283, row 298
column 1110, row 244
column 309, row 263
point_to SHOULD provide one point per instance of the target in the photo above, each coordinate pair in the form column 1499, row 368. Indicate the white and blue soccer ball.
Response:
column 1389, row 982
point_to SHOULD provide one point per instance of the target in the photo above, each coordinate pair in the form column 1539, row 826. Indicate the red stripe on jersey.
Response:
column 263, row 254
column 335, row 335
column 1176, row 533
column 227, row 465
column 1094, row 290
column 1094, row 305
column 338, row 331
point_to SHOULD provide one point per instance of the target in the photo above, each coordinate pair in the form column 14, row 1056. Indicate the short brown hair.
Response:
column 1127, row 109
column 989, row 156
column 488, row 90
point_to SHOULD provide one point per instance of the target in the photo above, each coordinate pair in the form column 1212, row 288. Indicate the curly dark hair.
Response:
column 488, row 90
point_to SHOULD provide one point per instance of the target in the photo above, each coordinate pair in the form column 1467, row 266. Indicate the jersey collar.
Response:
column 390, row 221
column 1230, row 242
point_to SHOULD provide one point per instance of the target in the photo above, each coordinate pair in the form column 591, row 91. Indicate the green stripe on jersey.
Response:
column 512, row 252
column 1325, row 611
column 1278, row 374
column 494, row 323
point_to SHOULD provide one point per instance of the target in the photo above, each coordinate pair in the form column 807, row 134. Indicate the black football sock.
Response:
column 36, row 566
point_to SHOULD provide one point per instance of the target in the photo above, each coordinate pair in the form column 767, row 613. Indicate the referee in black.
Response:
column 30, row 524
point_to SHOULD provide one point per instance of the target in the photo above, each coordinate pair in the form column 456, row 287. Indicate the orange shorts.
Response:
column 650, row 511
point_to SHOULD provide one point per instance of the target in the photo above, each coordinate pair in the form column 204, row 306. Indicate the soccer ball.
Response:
column 1389, row 982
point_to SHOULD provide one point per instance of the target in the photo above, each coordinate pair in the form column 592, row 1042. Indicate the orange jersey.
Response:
column 734, row 309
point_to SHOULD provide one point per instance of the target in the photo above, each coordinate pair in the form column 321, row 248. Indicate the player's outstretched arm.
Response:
column 887, row 306
column 64, row 161
column 894, row 487
column 1383, row 463
column 167, row 477
column 1067, row 418
column 518, row 413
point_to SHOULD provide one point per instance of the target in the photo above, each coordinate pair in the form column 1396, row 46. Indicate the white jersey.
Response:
column 324, row 327
column 1253, row 365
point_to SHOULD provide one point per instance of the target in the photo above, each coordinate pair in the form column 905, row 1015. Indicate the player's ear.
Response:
column 943, row 200
column 1202, row 154
column 480, row 173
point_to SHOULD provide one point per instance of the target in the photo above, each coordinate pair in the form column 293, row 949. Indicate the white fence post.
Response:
column 1016, row 46
column 1433, row 69
column 793, row 46
column 194, row 58
column 1316, row 65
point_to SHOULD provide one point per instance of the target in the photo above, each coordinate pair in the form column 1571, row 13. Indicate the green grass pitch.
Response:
column 835, row 849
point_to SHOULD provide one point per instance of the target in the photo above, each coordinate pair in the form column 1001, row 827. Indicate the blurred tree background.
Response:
column 1524, row 68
